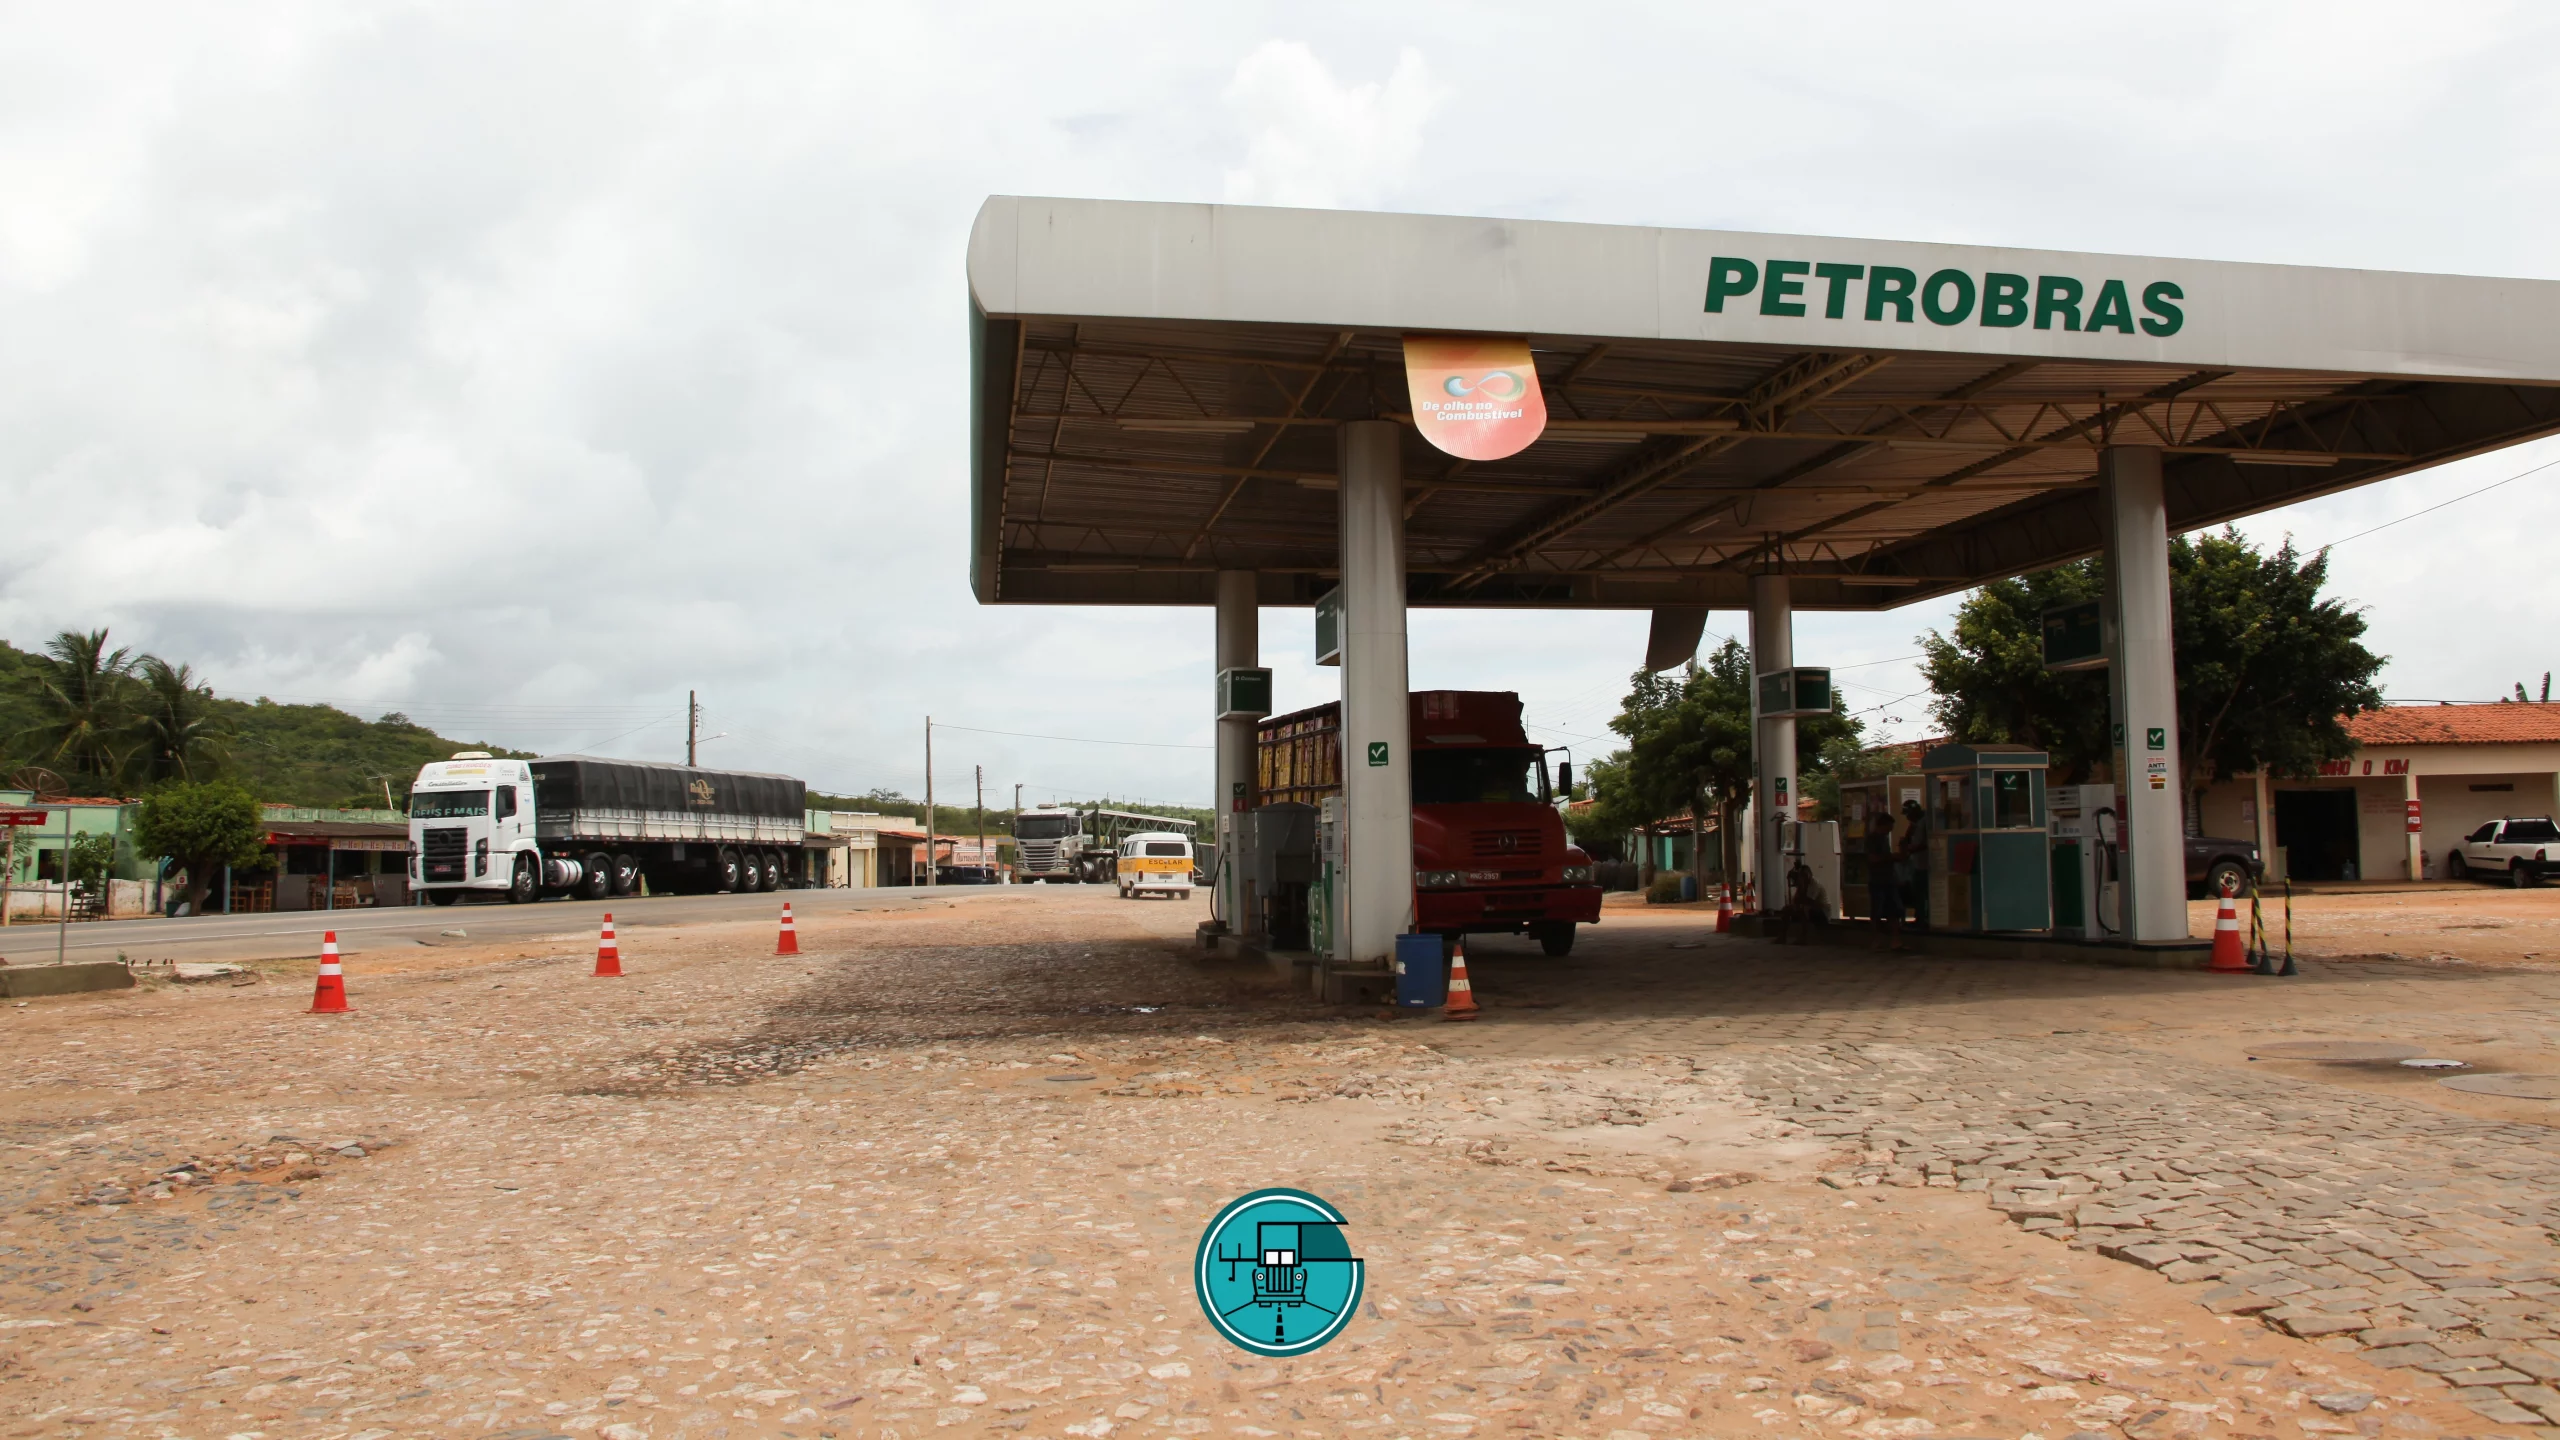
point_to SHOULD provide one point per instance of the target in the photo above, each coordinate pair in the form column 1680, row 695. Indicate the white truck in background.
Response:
column 579, row 826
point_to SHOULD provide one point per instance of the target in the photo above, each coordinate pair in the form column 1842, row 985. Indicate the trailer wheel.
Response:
column 725, row 872
column 626, row 874
column 597, row 882
column 1554, row 936
column 773, row 871
column 750, row 872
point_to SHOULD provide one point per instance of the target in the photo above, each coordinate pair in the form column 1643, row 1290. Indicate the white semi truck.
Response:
column 1074, row 846
column 576, row 825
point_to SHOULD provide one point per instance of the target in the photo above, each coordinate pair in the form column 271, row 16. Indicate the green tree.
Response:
column 174, row 732
column 82, row 689
column 1602, row 826
column 2268, row 672
column 93, row 858
column 202, row 825
column 1992, row 687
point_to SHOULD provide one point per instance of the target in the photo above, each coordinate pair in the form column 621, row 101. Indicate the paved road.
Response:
column 275, row 937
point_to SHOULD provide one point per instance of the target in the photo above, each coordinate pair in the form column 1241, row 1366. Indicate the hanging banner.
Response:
column 1474, row 397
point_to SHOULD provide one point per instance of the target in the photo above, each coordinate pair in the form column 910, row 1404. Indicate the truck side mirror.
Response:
column 1564, row 779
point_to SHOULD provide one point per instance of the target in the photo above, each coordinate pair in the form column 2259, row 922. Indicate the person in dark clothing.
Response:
column 1913, row 853
column 1884, row 893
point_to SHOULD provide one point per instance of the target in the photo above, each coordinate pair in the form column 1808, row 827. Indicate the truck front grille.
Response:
column 1504, row 844
column 443, row 853
column 1038, row 854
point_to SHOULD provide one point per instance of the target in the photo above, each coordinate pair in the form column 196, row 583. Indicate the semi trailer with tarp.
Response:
column 594, row 828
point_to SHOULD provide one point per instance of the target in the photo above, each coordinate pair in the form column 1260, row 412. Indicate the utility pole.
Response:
column 982, row 812
column 693, row 725
column 931, row 842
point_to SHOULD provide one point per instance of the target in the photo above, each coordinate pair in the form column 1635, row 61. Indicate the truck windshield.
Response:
column 1477, row 777
column 447, row 804
column 1044, row 827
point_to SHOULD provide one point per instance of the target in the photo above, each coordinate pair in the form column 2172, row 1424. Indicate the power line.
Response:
column 2456, row 500
column 1074, row 739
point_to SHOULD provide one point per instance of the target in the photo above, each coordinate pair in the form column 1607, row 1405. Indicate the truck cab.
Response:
column 1489, row 849
column 471, row 827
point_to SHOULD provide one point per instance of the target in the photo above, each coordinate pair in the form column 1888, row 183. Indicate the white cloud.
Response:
column 1315, row 142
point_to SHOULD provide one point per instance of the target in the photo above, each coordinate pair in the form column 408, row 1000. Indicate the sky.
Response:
column 522, row 367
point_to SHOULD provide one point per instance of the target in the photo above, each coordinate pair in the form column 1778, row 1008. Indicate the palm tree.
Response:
column 82, row 690
column 174, row 732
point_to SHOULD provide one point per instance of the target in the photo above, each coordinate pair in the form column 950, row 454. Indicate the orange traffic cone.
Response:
column 1462, row 995
column 1724, row 909
column 330, row 996
column 608, row 951
column 2229, row 957
column 789, row 944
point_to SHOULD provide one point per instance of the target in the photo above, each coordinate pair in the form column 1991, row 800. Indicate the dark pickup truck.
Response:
column 2212, row 861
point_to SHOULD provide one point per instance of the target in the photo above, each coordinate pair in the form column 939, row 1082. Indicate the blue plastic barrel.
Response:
column 1422, row 981
column 1689, row 886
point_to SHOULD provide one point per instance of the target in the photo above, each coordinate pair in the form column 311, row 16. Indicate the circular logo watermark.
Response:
column 1275, row 1274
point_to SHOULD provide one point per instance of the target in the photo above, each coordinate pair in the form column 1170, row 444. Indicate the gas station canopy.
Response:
column 1156, row 390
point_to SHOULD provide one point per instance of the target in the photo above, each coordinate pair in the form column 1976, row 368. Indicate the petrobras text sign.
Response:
column 1995, row 299
column 1557, row 282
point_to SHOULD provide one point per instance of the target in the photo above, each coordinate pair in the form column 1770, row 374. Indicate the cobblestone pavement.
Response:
column 945, row 1172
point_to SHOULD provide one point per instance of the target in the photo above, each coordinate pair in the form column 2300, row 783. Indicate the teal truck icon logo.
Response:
column 1275, row 1275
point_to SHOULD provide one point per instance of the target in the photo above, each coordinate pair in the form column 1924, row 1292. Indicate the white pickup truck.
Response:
column 2521, row 851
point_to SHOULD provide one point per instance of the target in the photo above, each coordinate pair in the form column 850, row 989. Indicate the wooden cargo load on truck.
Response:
column 1298, row 756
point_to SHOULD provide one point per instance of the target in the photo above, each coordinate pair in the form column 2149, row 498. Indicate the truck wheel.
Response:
column 597, row 882
column 1554, row 937
column 524, row 886
column 2454, row 869
column 626, row 874
column 773, row 871
column 750, row 872
column 726, row 872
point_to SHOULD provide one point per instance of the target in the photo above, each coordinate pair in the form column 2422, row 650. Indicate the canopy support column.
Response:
column 1238, row 647
column 1377, row 760
column 2143, row 693
column 1773, row 747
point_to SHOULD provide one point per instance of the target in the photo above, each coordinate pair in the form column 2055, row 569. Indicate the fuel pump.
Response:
column 2088, row 851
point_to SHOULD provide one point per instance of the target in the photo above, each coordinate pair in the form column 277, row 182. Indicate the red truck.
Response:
column 1490, row 855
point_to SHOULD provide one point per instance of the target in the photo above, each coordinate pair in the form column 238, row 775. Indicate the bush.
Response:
column 1665, row 889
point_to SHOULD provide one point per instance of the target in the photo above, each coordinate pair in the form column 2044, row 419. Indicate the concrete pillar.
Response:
column 2143, row 694
column 2268, row 854
column 1377, row 763
column 1239, row 647
column 2409, row 797
column 1773, row 749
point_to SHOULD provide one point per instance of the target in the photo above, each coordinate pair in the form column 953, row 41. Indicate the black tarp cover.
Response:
column 568, row 786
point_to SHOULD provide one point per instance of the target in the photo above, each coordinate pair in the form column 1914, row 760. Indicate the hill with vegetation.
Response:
column 283, row 754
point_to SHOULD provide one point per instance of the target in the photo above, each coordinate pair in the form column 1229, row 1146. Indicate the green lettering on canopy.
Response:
column 1891, row 285
column 2057, row 295
column 1955, row 312
column 2004, row 300
column 1778, row 294
column 1727, row 277
column 1835, row 301
column 2113, row 311
column 2155, row 298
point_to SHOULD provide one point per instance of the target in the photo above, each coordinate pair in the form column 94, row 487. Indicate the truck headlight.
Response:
column 1577, row 874
column 1438, row 879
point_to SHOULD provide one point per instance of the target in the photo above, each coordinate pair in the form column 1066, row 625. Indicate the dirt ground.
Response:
column 945, row 1172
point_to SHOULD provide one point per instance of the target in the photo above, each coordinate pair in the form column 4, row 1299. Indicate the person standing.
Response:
column 1913, row 853
column 1884, row 892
